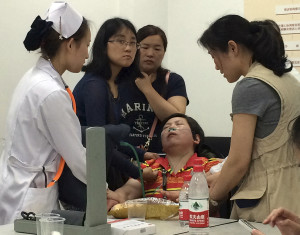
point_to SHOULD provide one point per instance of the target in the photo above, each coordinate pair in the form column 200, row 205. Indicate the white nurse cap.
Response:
column 66, row 20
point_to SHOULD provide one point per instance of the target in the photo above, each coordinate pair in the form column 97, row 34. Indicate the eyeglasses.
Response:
column 123, row 43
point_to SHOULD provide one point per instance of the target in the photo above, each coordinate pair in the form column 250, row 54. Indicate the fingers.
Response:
column 171, row 195
column 150, row 155
column 288, row 227
column 256, row 232
column 112, row 195
column 276, row 214
column 149, row 174
column 111, row 203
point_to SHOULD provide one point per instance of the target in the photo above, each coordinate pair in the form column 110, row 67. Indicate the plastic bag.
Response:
column 157, row 208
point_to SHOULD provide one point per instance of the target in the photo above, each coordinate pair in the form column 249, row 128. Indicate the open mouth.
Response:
column 171, row 133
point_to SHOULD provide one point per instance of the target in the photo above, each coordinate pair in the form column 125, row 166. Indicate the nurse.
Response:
column 41, row 125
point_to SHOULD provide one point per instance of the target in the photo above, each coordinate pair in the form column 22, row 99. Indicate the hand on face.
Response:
column 145, row 83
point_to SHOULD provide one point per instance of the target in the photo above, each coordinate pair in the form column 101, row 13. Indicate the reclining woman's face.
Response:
column 177, row 132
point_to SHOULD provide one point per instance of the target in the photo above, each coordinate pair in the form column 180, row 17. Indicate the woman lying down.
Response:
column 182, row 139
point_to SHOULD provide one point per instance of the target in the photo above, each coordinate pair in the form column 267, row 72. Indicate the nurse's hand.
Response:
column 110, row 203
column 112, row 195
column 149, row 175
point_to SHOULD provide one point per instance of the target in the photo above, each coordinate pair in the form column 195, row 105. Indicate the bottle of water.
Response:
column 199, row 203
column 197, row 162
column 184, row 202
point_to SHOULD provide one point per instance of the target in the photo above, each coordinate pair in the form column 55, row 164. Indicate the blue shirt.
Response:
column 95, row 103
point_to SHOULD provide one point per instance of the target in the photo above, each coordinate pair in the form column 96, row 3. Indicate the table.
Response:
column 218, row 227
column 171, row 227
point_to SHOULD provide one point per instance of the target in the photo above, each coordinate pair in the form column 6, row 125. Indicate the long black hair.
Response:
column 99, row 62
column 201, row 149
column 261, row 37
column 151, row 30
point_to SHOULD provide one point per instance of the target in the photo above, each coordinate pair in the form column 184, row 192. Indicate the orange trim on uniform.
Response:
column 62, row 161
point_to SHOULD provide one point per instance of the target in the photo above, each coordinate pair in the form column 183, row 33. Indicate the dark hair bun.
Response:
column 38, row 31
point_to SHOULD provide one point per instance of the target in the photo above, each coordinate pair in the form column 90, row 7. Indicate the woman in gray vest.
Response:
column 286, row 221
column 261, row 161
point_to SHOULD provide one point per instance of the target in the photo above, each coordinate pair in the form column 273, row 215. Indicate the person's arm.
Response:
column 239, row 157
column 96, row 102
column 162, row 107
column 60, row 126
column 131, row 190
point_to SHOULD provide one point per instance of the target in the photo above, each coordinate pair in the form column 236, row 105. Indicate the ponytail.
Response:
column 268, row 46
column 261, row 37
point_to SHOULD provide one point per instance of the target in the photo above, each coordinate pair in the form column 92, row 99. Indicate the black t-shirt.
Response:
column 138, row 114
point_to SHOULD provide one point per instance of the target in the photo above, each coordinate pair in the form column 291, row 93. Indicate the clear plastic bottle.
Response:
column 198, row 203
column 184, row 202
column 197, row 162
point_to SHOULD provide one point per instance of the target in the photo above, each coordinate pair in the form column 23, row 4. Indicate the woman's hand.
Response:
column 110, row 203
column 113, row 198
column 212, row 179
column 287, row 222
column 150, row 155
column 145, row 83
column 149, row 175
column 256, row 232
column 171, row 195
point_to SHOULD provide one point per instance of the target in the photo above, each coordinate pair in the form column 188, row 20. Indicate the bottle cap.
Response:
column 198, row 168
column 198, row 161
column 187, row 177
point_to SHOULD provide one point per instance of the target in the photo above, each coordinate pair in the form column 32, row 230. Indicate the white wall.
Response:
column 183, row 22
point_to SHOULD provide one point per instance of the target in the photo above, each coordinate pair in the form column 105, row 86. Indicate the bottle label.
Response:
column 199, row 213
column 184, row 210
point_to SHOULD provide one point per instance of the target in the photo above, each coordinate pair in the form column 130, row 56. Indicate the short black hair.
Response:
column 195, row 127
column 201, row 149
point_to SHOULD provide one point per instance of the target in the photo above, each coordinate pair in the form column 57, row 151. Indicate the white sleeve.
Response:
column 216, row 168
column 60, row 125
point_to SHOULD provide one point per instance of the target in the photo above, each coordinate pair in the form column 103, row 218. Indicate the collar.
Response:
column 164, row 162
column 46, row 66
